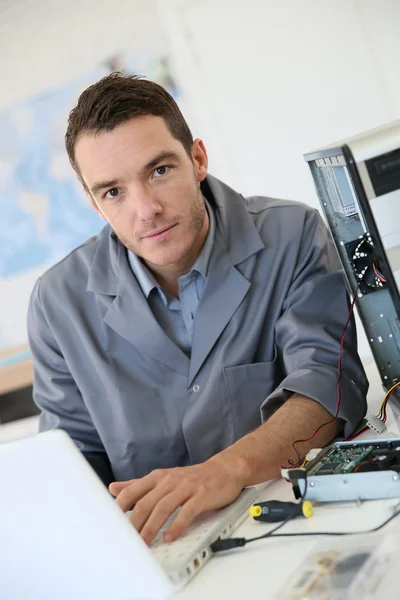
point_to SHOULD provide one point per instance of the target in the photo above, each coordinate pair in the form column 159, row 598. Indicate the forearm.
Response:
column 259, row 454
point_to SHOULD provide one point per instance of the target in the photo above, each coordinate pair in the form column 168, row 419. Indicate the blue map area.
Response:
column 44, row 211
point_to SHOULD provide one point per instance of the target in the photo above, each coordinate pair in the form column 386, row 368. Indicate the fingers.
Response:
column 117, row 486
column 145, row 506
column 134, row 491
column 189, row 511
column 159, row 512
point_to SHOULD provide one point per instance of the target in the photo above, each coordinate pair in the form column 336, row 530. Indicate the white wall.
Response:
column 47, row 43
column 274, row 80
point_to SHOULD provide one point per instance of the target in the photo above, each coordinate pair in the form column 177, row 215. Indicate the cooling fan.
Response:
column 365, row 264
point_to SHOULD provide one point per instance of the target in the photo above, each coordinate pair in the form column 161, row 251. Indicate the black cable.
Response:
column 231, row 543
column 294, row 475
column 289, row 518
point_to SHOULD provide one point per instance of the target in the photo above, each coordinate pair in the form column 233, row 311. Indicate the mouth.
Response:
column 161, row 234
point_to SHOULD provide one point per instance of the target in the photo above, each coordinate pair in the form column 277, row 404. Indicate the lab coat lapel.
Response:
column 224, row 291
column 236, row 240
column 131, row 317
column 129, row 314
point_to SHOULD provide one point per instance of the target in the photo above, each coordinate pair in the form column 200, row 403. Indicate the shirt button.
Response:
column 196, row 388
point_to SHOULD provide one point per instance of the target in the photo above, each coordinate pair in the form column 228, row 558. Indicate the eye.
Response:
column 113, row 193
column 161, row 171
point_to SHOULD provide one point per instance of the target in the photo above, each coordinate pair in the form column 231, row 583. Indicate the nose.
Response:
column 146, row 206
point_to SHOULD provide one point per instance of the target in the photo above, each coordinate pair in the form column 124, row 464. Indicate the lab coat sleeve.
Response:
column 56, row 393
column 309, row 331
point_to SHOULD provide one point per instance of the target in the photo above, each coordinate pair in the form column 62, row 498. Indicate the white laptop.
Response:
column 63, row 537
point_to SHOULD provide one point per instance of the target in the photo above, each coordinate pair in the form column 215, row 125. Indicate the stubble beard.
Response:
column 196, row 220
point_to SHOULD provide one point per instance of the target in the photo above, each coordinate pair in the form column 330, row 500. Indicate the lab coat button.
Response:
column 196, row 388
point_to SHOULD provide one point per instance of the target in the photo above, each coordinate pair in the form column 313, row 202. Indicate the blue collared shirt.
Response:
column 176, row 315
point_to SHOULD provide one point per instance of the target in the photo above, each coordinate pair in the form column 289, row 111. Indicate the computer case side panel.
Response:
column 360, row 249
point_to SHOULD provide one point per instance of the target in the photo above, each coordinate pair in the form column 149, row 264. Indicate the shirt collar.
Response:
column 145, row 278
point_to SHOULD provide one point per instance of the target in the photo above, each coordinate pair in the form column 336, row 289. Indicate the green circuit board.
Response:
column 339, row 461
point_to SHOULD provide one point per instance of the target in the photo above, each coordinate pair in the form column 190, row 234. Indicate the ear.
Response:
column 200, row 159
column 94, row 205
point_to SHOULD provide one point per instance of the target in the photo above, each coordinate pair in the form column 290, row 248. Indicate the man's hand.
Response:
column 195, row 489
column 252, row 459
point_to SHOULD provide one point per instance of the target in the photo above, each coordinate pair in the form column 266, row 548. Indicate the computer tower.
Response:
column 358, row 184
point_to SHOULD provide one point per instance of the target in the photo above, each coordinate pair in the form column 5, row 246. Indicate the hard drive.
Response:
column 363, row 470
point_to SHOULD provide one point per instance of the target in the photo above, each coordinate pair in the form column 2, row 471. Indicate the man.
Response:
column 162, row 344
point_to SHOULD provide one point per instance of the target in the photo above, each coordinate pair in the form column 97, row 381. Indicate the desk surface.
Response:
column 17, row 375
column 259, row 570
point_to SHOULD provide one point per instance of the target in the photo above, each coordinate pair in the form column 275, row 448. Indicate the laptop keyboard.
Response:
column 183, row 557
column 189, row 542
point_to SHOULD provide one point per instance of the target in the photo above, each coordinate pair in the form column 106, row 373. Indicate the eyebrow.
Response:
column 101, row 185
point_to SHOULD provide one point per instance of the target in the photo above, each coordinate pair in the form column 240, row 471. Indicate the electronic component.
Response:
column 375, row 424
column 365, row 264
column 313, row 453
column 340, row 460
column 343, row 570
column 364, row 470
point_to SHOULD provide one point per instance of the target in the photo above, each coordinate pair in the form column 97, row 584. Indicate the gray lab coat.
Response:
column 268, row 324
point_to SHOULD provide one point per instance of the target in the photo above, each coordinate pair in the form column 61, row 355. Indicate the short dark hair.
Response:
column 117, row 98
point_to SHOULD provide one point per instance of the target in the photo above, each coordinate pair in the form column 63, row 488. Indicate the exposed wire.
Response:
column 291, row 463
column 377, row 272
column 382, row 414
column 382, row 410
column 364, row 462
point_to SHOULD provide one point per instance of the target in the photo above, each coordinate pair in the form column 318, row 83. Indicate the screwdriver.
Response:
column 275, row 510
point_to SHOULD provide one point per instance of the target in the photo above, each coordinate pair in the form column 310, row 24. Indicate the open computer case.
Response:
column 358, row 184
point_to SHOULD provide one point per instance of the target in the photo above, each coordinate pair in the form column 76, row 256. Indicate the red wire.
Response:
column 383, row 410
column 383, row 413
column 385, row 407
column 353, row 437
column 378, row 274
column 290, row 461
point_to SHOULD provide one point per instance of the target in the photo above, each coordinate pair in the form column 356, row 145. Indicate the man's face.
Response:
column 142, row 181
